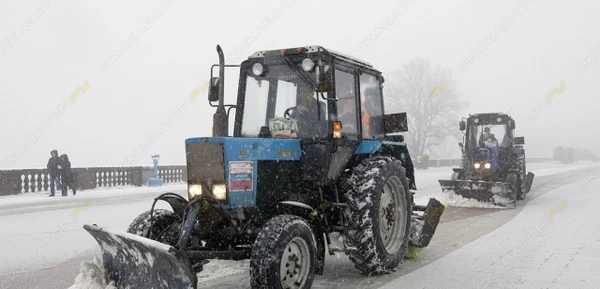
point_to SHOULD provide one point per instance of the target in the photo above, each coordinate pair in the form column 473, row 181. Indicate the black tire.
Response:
column 512, row 180
column 522, row 178
column 164, row 223
column 269, row 247
column 364, row 239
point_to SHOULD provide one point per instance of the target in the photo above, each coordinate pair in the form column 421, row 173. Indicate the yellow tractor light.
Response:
column 337, row 129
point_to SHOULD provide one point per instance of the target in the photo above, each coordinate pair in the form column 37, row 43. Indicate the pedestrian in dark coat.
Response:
column 53, row 171
column 66, row 175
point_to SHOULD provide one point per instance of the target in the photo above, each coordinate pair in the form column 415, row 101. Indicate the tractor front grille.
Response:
column 205, row 162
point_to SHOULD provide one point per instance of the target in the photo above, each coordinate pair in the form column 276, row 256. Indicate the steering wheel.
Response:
column 287, row 113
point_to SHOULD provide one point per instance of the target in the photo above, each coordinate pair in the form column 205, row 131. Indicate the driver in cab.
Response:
column 309, row 111
column 487, row 136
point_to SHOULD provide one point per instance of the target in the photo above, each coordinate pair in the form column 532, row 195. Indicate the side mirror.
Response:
column 213, row 90
column 511, row 124
column 462, row 125
column 460, row 145
column 519, row 140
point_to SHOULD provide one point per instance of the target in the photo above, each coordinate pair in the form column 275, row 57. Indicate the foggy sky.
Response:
column 136, row 102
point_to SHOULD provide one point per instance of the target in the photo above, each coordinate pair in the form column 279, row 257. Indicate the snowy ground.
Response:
column 48, row 231
column 429, row 187
column 554, row 242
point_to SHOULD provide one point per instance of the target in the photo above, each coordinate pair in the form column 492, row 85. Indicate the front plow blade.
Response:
column 423, row 227
column 131, row 261
column 495, row 193
column 530, row 177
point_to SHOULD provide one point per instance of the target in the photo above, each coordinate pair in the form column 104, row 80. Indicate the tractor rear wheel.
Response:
column 513, row 185
column 164, row 226
column 284, row 254
column 378, row 214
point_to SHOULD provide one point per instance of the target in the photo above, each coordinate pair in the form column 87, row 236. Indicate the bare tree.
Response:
column 431, row 100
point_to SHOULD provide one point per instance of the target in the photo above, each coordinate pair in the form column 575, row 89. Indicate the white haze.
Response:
column 537, row 48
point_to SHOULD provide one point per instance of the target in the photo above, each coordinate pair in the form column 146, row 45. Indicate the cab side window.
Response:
column 346, row 104
column 371, row 107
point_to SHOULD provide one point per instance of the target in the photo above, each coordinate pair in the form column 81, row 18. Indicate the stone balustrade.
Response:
column 14, row 182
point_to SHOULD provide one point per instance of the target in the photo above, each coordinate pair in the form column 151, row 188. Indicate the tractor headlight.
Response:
column 488, row 165
column 219, row 192
column 257, row 69
column 194, row 190
column 477, row 165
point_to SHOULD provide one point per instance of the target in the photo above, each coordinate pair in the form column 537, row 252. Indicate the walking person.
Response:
column 53, row 171
column 66, row 175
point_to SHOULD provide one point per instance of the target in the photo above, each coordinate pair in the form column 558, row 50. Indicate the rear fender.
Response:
column 399, row 150
column 394, row 149
column 314, row 219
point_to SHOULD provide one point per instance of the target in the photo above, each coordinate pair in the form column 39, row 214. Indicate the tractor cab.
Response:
column 307, row 93
column 492, row 130
column 489, row 139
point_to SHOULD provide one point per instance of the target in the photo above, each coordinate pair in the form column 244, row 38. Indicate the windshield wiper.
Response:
column 301, row 73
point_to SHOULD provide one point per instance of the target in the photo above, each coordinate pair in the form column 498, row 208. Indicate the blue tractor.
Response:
column 493, row 167
column 311, row 153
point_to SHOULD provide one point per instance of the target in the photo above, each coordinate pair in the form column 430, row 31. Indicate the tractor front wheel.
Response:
column 378, row 214
column 513, row 185
column 284, row 254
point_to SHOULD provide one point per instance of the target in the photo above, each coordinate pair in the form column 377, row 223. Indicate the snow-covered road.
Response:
column 39, row 232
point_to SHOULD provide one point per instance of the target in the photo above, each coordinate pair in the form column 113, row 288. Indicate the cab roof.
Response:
column 309, row 50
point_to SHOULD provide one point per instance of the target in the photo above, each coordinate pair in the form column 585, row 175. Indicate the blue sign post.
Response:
column 155, row 181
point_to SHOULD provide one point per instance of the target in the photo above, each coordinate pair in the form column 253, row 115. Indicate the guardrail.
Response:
column 13, row 182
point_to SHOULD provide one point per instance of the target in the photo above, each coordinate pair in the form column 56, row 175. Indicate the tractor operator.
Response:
column 487, row 136
column 309, row 112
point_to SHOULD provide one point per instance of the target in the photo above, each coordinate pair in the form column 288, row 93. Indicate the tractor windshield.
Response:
column 490, row 136
column 280, row 95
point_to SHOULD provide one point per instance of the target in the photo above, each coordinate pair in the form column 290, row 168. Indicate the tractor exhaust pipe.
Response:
column 220, row 119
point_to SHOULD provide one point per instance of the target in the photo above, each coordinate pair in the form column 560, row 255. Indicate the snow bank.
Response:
column 91, row 276
column 449, row 198
column 42, row 197
column 217, row 269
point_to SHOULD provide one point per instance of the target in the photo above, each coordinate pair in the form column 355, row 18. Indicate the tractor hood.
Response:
column 226, row 167
column 483, row 156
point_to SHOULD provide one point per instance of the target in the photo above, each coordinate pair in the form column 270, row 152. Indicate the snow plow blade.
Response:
column 423, row 226
column 496, row 193
column 131, row 261
column 530, row 177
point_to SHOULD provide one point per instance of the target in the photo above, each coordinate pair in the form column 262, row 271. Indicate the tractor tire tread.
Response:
column 162, row 220
column 265, row 250
column 359, row 190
